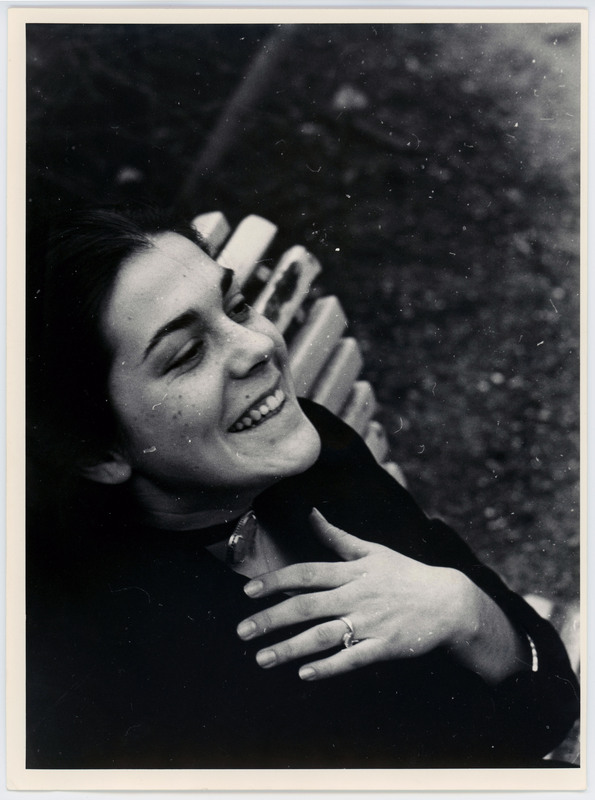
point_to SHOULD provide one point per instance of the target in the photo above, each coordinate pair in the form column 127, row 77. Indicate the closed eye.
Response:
column 191, row 353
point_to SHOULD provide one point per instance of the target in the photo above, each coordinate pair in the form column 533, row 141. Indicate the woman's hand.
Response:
column 398, row 607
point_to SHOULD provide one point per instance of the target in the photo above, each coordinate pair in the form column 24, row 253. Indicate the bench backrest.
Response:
column 325, row 362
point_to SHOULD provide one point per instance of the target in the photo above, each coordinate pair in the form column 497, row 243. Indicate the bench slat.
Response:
column 246, row 246
column 376, row 440
column 359, row 407
column 214, row 229
column 570, row 633
column 314, row 342
column 396, row 471
column 288, row 286
column 336, row 379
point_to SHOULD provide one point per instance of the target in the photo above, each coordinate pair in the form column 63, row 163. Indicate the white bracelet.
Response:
column 534, row 659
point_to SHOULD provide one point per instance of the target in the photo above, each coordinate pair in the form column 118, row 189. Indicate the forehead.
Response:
column 156, row 285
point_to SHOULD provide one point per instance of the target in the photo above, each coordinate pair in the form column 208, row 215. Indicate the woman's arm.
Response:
column 531, row 710
column 487, row 643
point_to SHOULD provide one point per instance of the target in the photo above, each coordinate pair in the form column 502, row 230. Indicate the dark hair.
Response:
column 73, row 422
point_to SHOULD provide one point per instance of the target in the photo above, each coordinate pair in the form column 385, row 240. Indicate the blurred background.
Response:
column 432, row 169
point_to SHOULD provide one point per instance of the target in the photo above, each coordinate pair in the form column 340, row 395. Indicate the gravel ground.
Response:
column 434, row 171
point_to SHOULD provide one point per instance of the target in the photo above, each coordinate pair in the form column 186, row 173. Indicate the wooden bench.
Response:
column 325, row 362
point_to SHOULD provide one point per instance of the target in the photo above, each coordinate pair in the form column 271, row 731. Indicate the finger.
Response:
column 308, row 576
column 352, row 658
column 301, row 608
column 315, row 640
column 344, row 544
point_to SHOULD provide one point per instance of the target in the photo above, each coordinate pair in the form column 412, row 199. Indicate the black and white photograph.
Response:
column 303, row 397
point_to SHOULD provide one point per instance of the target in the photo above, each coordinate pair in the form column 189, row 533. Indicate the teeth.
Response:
column 268, row 405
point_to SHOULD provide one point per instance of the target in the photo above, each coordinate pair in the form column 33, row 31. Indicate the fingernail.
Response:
column 307, row 673
column 317, row 517
column 253, row 588
column 246, row 629
column 266, row 658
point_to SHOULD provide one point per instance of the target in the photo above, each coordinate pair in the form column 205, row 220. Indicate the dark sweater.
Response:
column 133, row 660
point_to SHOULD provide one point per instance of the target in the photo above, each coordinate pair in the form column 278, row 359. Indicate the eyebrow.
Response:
column 187, row 318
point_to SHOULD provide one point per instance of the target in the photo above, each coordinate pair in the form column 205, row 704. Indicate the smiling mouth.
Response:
column 260, row 412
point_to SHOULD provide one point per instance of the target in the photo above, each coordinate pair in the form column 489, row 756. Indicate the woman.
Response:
column 227, row 578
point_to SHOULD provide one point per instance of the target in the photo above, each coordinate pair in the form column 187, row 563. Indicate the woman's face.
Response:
column 199, row 382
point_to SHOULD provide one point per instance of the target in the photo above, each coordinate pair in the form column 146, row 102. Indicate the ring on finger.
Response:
column 348, row 638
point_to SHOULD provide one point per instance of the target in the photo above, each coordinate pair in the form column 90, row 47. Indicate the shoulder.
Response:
column 348, row 486
column 341, row 444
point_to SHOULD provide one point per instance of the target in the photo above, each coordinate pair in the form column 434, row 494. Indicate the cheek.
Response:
column 146, row 419
column 192, row 414
column 171, row 417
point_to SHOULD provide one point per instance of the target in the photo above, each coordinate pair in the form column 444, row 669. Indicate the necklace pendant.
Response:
column 240, row 544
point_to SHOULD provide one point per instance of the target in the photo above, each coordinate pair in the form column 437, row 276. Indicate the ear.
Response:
column 113, row 469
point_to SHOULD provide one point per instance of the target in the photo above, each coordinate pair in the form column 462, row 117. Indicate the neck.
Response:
column 180, row 513
column 171, row 521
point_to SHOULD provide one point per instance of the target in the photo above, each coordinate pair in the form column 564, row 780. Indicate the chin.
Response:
column 305, row 458
column 295, row 453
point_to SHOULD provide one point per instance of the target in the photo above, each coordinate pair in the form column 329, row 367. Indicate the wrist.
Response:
column 484, row 640
column 464, row 605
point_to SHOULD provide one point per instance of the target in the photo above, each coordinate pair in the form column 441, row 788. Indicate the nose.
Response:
column 249, row 350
